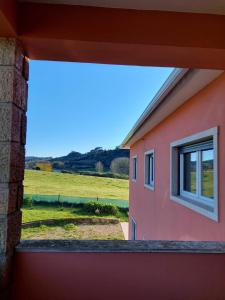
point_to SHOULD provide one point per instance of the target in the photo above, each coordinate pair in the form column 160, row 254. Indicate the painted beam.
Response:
column 8, row 18
column 116, row 36
column 119, row 36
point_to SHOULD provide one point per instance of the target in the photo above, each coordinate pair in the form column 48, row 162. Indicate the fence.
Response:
column 76, row 200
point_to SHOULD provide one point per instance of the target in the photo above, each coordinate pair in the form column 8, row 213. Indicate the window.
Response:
column 194, row 173
column 133, row 229
column 149, row 169
column 134, row 168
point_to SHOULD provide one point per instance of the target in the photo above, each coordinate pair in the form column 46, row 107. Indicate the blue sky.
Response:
column 77, row 107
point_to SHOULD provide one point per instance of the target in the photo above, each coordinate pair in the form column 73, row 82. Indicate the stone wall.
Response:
column 14, row 72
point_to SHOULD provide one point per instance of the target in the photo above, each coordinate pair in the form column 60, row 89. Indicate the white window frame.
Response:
column 151, row 185
column 134, row 174
column 133, row 229
column 203, row 205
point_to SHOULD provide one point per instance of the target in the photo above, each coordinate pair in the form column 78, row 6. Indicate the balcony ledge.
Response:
column 120, row 246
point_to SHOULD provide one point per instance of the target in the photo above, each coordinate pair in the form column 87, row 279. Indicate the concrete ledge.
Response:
column 120, row 246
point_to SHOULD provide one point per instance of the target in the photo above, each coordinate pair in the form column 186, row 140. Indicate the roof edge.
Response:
column 180, row 86
column 173, row 79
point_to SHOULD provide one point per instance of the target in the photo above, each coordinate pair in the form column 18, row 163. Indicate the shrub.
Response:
column 69, row 227
column 105, row 174
column 100, row 208
column 43, row 227
column 27, row 201
column 120, row 165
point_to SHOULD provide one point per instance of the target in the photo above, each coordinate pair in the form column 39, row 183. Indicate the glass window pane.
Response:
column 149, row 176
column 152, row 170
column 134, row 168
column 190, row 166
column 207, row 173
column 147, row 169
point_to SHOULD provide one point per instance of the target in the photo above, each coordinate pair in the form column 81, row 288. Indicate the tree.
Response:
column 58, row 165
column 99, row 167
column 120, row 165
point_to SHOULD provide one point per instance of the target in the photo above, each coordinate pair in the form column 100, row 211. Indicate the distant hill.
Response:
column 78, row 162
column 35, row 158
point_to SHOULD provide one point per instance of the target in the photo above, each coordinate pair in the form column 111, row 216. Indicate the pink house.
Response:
column 177, row 189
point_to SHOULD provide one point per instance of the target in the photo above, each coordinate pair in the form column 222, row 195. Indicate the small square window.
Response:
column 149, row 169
column 134, row 168
column 194, row 173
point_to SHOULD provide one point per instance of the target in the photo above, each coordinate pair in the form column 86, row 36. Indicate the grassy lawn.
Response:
column 69, row 231
column 50, row 183
column 50, row 212
column 78, row 232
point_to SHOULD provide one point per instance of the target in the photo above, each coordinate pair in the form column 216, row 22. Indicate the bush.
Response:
column 69, row 227
column 100, row 209
column 43, row 227
column 27, row 201
column 120, row 165
column 105, row 174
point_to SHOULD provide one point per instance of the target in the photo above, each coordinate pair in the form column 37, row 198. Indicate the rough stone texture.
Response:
column 3, row 235
column 14, row 221
column 13, row 123
column 14, row 72
column 13, row 87
column 5, row 273
column 11, row 195
column 26, row 68
column 11, row 53
column 11, row 162
column 121, row 246
column 23, row 129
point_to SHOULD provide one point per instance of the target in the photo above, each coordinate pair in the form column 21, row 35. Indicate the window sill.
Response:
column 150, row 187
column 207, row 211
column 134, row 180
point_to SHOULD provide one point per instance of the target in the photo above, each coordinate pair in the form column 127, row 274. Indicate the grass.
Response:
column 207, row 183
column 69, row 231
column 79, row 232
column 50, row 183
column 50, row 212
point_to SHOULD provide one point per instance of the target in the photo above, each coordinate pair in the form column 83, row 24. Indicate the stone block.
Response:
column 5, row 121
column 5, row 150
column 7, row 77
column 3, row 234
column 23, row 129
column 11, row 53
column 14, row 88
column 12, row 156
column 20, row 191
column 11, row 197
column 14, row 222
column 20, row 93
column 10, row 231
column 26, row 68
column 6, row 262
column 11, row 123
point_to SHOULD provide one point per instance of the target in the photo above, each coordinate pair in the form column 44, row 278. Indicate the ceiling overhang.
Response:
column 117, row 35
column 189, row 6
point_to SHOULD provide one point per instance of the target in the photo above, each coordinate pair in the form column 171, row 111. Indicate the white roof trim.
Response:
column 180, row 86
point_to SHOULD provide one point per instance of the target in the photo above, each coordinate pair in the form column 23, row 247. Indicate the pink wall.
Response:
column 158, row 217
column 101, row 276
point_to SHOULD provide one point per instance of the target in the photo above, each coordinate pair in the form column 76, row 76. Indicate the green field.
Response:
column 50, row 183
column 40, row 212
